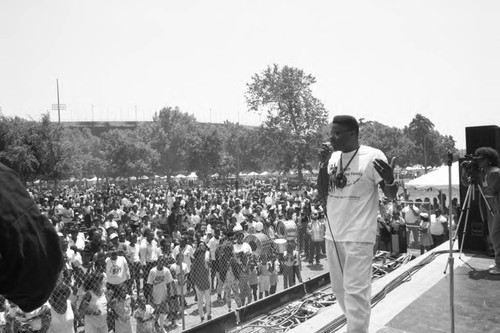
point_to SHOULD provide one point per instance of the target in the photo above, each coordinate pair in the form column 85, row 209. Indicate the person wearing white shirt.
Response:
column 117, row 270
column 134, row 260
column 238, row 215
column 148, row 254
column 438, row 228
column 240, row 245
column 213, row 244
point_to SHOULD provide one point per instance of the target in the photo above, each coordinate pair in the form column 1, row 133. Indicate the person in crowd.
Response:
column 243, row 285
column 438, row 227
column 92, row 247
column 264, row 277
column 122, row 308
column 94, row 305
column 411, row 215
column 253, row 278
column 134, row 262
column 273, row 274
column 229, row 274
column 148, row 255
column 144, row 316
column 384, row 232
column 316, row 231
column 160, row 279
column 117, row 271
column 179, row 272
column 425, row 235
column 61, row 310
column 187, row 252
column 303, row 236
column 349, row 178
column 200, row 276
column 289, row 257
column 489, row 165
column 240, row 245
column 213, row 244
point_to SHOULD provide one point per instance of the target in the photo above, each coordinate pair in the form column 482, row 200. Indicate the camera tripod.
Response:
column 469, row 197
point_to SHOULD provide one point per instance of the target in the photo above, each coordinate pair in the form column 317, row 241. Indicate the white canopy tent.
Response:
column 192, row 175
column 438, row 178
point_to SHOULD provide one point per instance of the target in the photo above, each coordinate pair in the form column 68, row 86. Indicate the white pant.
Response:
column 350, row 266
column 204, row 297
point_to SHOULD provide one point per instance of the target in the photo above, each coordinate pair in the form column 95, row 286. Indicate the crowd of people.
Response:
column 137, row 253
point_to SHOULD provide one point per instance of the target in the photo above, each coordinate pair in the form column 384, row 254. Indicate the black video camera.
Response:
column 470, row 167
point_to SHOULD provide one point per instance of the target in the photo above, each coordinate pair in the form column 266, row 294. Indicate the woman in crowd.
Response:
column 229, row 275
column 200, row 276
column 61, row 310
column 121, row 305
column 94, row 305
column 144, row 316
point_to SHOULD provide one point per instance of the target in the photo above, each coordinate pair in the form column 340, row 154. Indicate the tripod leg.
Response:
column 471, row 188
column 465, row 208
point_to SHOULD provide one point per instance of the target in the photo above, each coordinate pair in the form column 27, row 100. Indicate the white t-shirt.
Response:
column 243, row 247
column 188, row 254
column 213, row 243
column 411, row 215
column 436, row 227
column 352, row 210
column 159, row 279
column 61, row 323
column 117, row 271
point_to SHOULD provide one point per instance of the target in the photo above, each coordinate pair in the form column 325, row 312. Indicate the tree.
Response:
column 172, row 134
column 294, row 116
column 391, row 140
column 16, row 148
column 88, row 158
column 127, row 153
column 419, row 129
column 205, row 155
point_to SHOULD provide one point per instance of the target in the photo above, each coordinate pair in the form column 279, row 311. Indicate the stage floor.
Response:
column 421, row 304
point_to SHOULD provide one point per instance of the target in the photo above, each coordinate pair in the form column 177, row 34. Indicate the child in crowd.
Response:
column 273, row 277
column 253, row 279
column 264, row 277
column 123, row 310
column 425, row 235
column 144, row 316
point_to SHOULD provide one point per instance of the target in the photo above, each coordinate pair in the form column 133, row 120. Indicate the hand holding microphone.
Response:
column 325, row 152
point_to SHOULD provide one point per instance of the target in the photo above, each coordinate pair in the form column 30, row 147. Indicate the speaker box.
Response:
column 482, row 136
column 474, row 230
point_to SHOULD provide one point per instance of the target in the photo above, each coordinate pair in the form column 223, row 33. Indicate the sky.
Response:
column 384, row 61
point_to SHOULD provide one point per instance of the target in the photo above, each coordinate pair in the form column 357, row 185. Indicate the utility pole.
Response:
column 58, row 106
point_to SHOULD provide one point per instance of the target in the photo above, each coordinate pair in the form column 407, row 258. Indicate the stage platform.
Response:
column 421, row 303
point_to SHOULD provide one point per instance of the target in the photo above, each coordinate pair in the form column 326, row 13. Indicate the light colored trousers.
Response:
column 204, row 295
column 350, row 266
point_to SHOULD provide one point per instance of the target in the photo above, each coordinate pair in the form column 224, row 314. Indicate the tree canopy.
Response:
column 174, row 142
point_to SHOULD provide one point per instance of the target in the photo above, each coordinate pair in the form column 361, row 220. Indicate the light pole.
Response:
column 58, row 106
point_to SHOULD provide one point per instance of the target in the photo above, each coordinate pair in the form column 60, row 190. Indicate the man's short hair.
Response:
column 348, row 122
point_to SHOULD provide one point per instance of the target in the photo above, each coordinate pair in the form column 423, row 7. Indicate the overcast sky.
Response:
column 378, row 60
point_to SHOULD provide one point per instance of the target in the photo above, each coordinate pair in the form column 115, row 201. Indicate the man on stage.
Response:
column 349, row 179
